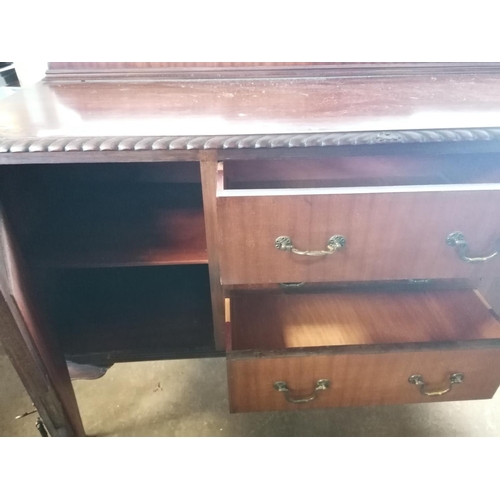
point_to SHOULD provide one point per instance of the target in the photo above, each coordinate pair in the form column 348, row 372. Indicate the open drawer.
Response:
column 411, row 219
column 316, row 350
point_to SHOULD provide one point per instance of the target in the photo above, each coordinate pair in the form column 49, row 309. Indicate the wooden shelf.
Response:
column 127, row 314
column 269, row 321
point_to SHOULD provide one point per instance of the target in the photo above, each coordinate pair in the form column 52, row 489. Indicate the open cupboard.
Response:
column 117, row 257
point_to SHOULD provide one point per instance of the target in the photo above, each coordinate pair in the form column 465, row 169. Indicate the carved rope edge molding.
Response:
column 83, row 144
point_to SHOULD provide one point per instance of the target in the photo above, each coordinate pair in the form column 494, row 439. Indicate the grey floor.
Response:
column 189, row 398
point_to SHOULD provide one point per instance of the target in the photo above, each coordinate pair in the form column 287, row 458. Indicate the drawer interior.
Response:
column 276, row 321
column 362, row 171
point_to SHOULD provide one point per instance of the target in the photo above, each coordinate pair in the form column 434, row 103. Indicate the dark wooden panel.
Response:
column 391, row 233
column 274, row 321
column 361, row 379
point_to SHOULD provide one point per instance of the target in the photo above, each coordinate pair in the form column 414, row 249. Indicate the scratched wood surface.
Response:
column 208, row 108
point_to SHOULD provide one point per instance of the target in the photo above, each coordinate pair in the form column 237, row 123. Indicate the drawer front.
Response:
column 361, row 379
column 390, row 234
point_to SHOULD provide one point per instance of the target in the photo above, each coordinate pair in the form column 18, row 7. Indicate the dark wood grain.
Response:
column 391, row 233
column 275, row 321
column 361, row 379
column 209, row 166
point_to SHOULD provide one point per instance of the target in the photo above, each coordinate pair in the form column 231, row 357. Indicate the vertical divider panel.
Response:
column 209, row 177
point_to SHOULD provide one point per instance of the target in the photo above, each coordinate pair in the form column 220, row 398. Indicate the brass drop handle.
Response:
column 418, row 380
column 334, row 243
column 321, row 385
column 457, row 239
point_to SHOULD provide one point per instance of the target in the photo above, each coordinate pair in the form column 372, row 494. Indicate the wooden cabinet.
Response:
column 335, row 238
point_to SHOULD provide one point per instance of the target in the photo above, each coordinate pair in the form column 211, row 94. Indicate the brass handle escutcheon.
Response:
column 418, row 380
column 457, row 239
column 334, row 243
column 321, row 385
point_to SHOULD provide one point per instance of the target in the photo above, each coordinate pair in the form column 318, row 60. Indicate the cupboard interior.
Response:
column 358, row 171
column 109, row 215
column 131, row 313
column 116, row 255
column 274, row 321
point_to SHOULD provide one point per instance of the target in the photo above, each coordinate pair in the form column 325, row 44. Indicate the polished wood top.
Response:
column 254, row 108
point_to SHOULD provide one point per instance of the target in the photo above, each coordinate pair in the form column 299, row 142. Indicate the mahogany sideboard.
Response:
column 332, row 229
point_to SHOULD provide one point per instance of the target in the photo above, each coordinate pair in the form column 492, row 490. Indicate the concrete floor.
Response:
column 189, row 398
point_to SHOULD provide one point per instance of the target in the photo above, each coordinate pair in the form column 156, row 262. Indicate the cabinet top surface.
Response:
column 213, row 111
